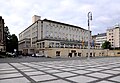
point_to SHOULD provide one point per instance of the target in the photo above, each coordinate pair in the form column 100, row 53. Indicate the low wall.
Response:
column 69, row 52
column 114, row 53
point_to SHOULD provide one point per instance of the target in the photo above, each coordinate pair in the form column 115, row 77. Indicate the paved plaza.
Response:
column 99, row 70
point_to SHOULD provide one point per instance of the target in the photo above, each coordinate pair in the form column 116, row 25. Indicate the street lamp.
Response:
column 89, row 19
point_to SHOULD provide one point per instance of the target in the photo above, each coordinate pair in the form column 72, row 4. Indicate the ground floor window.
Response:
column 90, row 54
column 75, row 54
column 57, row 53
column 103, row 54
column 70, row 55
column 99, row 54
column 79, row 54
column 118, row 52
column 94, row 54
column 86, row 54
column 73, row 51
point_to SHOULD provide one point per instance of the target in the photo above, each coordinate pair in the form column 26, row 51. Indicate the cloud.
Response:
column 104, row 19
column 18, row 13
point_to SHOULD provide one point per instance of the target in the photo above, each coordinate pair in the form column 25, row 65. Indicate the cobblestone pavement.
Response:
column 101, row 70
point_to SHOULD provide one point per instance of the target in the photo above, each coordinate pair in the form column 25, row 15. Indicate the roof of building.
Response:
column 100, row 35
column 94, row 36
column 54, row 22
column 29, row 26
column 63, row 23
column 114, row 27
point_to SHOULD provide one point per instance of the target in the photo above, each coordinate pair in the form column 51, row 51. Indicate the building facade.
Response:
column 113, row 36
column 2, row 35
column 99, row 39
column 45, row 34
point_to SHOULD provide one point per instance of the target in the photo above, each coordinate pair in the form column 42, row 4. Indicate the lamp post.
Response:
column 89, row 19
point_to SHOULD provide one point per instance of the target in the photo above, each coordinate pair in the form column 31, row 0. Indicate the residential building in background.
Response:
column 2, row 35
column 99, row 39
column 45, row 34
column 113, row 36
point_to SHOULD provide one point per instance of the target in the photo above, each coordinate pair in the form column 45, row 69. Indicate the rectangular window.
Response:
column 40, row 45
column 43, row 44
column 118, row 53
column 41, row 25
column 57, row 53
column 37, row 45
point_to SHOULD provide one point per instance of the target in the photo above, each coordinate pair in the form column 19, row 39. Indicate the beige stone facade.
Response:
column 68, row 52
column 114, row 52
column 113, row 36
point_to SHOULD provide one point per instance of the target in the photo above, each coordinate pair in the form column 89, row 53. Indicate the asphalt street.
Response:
column 43, row 59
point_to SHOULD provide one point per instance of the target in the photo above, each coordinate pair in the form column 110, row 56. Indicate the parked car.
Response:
column 11, row 54
column 37, row 55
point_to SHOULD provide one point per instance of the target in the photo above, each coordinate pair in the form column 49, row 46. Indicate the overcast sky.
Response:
column 18, row 13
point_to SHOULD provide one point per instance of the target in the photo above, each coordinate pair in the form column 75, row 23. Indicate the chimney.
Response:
column 35, row 18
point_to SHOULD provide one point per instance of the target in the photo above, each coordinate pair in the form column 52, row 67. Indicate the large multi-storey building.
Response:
column 99, row 39
column 45, row 34
column 113, row 36
column 2, row 35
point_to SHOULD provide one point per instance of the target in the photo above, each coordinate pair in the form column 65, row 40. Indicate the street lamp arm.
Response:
column 89, row 15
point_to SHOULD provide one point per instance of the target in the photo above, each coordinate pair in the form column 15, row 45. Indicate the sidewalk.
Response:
column 101, row 70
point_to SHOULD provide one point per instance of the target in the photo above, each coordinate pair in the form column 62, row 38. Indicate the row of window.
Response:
column 111, row 39
column 63, row 27
column 59, row 45
column 75, row 54
column 41, row 45
column 53, row 30
column 66, row 36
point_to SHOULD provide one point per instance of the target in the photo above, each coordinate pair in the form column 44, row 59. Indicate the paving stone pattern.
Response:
column 102, row 70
